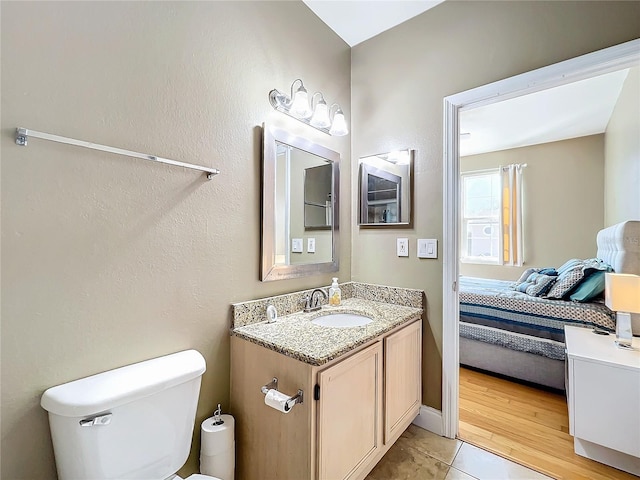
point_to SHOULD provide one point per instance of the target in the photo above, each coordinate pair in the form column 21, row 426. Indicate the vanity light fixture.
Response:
column 314, row 113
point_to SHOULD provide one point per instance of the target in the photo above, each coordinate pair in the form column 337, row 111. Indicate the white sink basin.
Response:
column 342, row 320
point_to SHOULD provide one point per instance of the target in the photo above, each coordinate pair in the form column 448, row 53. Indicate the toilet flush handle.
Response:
column 97, row 420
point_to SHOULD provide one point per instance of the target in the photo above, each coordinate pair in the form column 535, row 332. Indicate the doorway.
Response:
column 597, row 63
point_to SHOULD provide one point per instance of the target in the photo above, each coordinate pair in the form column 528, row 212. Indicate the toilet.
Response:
column 134, row 422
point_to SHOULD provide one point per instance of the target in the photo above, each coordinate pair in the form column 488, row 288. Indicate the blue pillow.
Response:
column 549, row 271
column 569, row 264
column 536, row 285
column 526, row 274
column 590, row 288
column 540, row 284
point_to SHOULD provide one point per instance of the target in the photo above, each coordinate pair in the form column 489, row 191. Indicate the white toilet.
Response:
column 134, row 422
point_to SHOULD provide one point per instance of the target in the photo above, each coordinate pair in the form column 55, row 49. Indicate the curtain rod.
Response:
column 22, row 135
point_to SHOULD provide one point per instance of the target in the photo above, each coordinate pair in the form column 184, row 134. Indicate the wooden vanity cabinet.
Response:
column 363, row 402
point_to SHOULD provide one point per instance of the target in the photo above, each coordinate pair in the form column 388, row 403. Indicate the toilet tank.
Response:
column 134, row 422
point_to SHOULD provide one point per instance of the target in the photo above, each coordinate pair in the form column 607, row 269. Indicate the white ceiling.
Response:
column 570, row 111
column 358, row 20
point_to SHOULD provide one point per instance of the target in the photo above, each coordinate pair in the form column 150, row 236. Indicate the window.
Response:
column 492, row 216
column 481, row 217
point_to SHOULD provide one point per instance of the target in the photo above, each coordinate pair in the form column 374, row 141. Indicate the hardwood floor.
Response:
column 525, row 424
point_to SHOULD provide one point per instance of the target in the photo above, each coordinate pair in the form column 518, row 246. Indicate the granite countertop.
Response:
column 295, row 336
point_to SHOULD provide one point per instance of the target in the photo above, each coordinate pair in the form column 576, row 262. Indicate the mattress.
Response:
column 492, row 312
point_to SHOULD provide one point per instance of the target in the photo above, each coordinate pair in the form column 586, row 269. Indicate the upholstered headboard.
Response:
column 619, row 246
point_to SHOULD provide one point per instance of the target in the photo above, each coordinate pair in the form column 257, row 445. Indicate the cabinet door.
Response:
column 605, row 400
column 350, row 414
column 402, row 378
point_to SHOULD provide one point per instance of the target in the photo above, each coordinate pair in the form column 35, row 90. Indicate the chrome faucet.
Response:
column 312, row 302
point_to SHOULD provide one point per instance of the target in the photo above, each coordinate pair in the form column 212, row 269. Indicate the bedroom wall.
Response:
column 399, row 79
column 563, row 188
column 109, row 260
column 622, row 155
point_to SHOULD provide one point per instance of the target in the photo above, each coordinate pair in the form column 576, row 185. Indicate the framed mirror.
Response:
column 385, row 189
column 300, row 221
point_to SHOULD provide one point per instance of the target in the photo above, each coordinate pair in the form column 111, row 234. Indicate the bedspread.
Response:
column 492, row 312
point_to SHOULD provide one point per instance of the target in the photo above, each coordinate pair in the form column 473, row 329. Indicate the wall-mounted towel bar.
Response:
column 22, row 134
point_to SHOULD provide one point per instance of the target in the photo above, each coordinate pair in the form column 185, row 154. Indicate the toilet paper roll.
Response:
column 277, row 400
column 220, row 466
column 215, row 439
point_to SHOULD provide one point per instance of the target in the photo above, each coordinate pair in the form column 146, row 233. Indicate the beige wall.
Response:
column 399, row 79
column 622, row 154
column 563, row 210
column 108, row 260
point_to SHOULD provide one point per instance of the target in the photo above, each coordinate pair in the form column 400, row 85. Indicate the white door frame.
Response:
column 600, row 62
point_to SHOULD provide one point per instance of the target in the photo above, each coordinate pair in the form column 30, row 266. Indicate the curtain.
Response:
column 511, row 212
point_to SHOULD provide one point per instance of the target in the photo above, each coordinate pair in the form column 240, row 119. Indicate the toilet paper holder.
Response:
column 273, row 385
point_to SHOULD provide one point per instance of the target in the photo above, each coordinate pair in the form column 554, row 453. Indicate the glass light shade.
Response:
column 339, row 125
column 320, row 117
column 300, row 105
column 622, row 292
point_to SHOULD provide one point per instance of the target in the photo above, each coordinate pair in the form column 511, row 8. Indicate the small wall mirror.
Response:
column 300, row 188
column 385, row 189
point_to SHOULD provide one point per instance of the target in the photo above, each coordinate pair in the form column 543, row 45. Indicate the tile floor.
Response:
column 422, row 455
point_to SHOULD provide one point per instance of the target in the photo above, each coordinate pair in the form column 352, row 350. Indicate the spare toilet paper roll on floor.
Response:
column 217, row 448
column 277, row 400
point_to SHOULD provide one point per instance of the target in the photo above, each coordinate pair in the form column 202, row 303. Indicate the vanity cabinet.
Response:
column 355, row 407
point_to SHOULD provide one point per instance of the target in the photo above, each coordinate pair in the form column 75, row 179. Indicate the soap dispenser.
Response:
column 335, row 295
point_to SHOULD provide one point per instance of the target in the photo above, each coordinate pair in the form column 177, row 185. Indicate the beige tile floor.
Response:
column 422, row 455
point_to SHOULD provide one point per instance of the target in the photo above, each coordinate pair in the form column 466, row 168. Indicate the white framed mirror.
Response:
column 300, row 221
column 385, row 188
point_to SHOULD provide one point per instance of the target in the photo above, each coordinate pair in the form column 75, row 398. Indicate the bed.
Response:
column 507, row 331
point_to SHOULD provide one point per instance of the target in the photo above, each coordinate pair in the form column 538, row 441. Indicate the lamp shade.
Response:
column 339, row 125
column 300, row 104
column 320, row 117
column 622, row 292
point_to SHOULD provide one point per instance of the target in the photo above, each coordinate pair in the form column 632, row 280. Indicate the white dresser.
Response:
column 603, row 394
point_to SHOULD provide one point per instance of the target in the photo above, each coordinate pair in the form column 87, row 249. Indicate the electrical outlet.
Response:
column 402, row 247
column 311, row 245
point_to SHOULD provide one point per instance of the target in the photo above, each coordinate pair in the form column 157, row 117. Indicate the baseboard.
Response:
column 429, row 419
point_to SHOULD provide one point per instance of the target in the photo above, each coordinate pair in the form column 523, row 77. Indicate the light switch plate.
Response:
column 311, row 245
column 427, row 248
column 403, row 247
column 296, row 245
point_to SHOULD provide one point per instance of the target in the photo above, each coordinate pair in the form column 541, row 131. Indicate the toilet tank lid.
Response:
column 98, row 393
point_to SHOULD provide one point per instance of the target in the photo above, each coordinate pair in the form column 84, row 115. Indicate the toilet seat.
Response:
column 199, row 476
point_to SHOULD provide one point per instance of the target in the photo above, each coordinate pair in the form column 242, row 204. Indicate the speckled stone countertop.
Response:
column 295, row 336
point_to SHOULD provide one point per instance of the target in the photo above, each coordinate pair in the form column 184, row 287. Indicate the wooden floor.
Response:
column 527, row 425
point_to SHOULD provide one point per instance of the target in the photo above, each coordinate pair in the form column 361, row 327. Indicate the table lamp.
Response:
column 622, row 295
